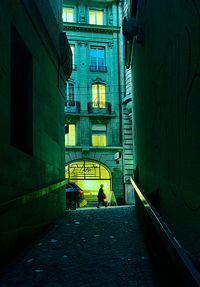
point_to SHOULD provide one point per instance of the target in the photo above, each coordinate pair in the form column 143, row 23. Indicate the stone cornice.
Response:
column 90, row 28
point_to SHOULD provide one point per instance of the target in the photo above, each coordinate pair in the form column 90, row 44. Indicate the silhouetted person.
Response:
column 101, row 196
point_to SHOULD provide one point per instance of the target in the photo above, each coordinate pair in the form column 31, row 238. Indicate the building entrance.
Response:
column 88, row 175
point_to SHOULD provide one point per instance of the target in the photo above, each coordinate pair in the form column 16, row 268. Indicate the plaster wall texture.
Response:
column 23, row 173
column 167, row 108
column 84, row 36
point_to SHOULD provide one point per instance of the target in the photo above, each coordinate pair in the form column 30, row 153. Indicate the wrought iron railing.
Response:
column 72, row 107
column 98, row 68
column 99, row 108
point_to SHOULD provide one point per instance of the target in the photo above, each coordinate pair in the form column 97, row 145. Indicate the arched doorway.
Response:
column 88, row 175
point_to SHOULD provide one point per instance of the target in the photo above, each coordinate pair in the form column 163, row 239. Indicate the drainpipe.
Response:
column 119, row 77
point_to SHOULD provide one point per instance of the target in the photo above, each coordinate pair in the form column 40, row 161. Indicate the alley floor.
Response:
column 87, row 247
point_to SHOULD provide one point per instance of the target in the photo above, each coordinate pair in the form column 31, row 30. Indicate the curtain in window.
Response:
column 70, row 94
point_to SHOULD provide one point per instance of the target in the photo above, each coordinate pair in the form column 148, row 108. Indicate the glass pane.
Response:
column 102, row 97
column 93, row 54
column 99, row 18
column 104, row 172
column 77, row 170
column 66, row 139
column 70, row 15
column 94, row 96
column 71, row 134
column 102, row 140
column 92, row 17
column 72, row 48
column 64, row 15
column 101, row 58
column 95, row 140
column 71, row 94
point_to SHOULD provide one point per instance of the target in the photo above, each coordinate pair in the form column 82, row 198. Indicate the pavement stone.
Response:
column 88, row 247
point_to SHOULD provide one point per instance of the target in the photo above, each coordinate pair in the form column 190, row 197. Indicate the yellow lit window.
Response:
column 96, row 17
column 99, row 18
column 98, row 96
column 70, row 134
column 92, row 17
column 68, row 15
column 99, row 140
column 99, row 135
column 95, row 140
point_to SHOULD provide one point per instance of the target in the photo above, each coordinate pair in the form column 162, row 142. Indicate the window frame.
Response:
column 99, row 130
column 67, row 94
column 65, row 17
column 67, row 135
column 96, row 11
column 99, row 67
column 100, row 104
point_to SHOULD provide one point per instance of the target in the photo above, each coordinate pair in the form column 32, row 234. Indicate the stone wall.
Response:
column 23, row 173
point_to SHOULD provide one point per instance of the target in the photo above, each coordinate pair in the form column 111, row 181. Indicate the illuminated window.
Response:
column 97, row 56
column 96, row 17
column 98, row 96
column 68, row 15
column 70, row 97
column 70, row 137
column 99, row 135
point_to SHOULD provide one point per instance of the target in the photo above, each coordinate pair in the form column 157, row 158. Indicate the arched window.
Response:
column 98, row 96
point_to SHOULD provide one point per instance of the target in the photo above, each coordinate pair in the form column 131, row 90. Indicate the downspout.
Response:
column 119, row 78
column 120, row 105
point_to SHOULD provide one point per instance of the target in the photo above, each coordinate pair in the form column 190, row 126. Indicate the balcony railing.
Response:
column 100, row 108
column 98, row 68
column 72, row 107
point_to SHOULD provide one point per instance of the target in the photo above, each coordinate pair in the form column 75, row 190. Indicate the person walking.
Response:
column 101, row 196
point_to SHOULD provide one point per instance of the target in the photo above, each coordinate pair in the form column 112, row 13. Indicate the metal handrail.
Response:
column 72, row 107
column 99, row 108
column 98, row 68
column 185, row 264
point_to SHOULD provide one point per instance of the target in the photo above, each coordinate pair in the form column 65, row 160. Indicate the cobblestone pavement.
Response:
column 87, row 247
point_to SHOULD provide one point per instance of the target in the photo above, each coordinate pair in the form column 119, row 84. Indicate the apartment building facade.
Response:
column 93, row 129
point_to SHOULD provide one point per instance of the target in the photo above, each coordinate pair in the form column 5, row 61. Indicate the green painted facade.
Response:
column 84, row 36
column 167, row 108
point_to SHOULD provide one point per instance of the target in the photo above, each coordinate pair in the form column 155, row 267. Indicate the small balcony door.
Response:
column 98, row 96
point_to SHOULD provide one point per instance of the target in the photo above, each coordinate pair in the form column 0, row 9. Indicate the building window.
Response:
column 73, row 59
column 99, row 135
column 70, row 137
column 70, row 95
column 98, row 96
column 68, row 15
column 97, row 57
column 96, row 17
column 21, row 97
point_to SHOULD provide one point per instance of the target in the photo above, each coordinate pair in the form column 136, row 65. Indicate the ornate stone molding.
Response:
column 91, row 28
column 83, row 42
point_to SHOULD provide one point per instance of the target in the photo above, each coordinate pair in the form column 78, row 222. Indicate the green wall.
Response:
column 167, row 112
column 22, row 173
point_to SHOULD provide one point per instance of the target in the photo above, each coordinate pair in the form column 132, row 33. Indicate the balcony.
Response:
column 73, row 107
column 101, row 108
column 95, row 68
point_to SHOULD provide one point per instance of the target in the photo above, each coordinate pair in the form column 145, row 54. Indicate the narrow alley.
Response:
column 86, row 247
